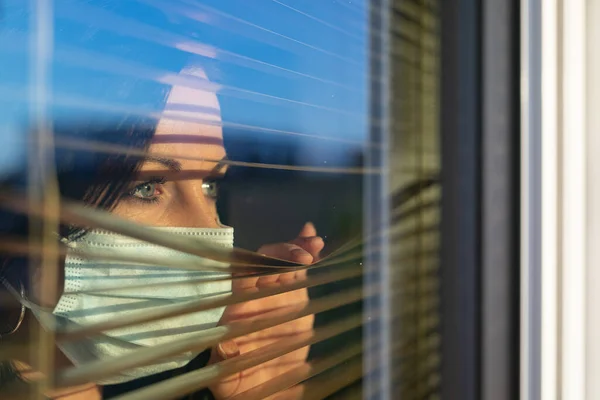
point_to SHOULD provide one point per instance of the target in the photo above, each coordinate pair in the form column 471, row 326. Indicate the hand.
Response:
column 304, row 249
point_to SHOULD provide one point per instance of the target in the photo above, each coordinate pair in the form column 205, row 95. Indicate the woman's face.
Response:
column 172, row 189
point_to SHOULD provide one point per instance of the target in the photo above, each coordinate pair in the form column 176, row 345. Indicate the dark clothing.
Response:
column 110, row 391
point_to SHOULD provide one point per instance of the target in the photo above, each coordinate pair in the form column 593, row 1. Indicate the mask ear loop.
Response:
column 20, row 293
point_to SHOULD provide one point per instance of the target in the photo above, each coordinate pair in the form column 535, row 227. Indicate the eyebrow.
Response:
column 175, row 165
column 170, row 163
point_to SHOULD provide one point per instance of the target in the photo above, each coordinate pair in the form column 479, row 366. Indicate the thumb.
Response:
column 308, row 230
column 228, row 386
column 309, row 241
column 226, row 350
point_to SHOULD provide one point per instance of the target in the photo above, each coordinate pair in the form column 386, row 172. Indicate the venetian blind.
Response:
column 294, row 81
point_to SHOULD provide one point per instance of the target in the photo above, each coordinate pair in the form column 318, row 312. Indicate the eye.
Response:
column 147, row 191
column 210, row 188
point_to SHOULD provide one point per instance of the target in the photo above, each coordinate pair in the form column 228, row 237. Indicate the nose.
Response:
column 195, row 210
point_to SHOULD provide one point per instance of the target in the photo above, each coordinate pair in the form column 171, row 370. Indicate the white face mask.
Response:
column 92, row 274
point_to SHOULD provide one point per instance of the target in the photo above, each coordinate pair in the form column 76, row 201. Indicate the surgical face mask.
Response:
column 167, row 286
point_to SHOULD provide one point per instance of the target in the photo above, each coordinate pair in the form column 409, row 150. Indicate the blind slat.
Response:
column 300, row 374
column 206, row 304
column 108, row 148
column 331, row 262
column 399, row 217
column 19, row 247
column 80, row 215
column 134, row 28
column 99, row 370
column 76, row 213
column 104, row 220
column 195, row 380
column 326, row 384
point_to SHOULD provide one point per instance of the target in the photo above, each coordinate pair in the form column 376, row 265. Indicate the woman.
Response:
column 175, row 191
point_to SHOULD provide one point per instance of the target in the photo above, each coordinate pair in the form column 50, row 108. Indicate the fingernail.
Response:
column 313, row 240
column 300, row 253
column 228, row 350
column 317, row 239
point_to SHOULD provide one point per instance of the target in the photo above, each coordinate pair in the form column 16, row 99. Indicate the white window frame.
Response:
column 560, row 357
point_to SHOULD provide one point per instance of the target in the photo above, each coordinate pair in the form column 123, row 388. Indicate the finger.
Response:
column 224, row 351
column 301, row 275
column 288, row 277
column 314, row 245
column 243, row 283
column 227, row 350
column 291, row 277
column 287, row 251
column 308, row 230
column 309, row 241
column 221, row 352
column 267, row 280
